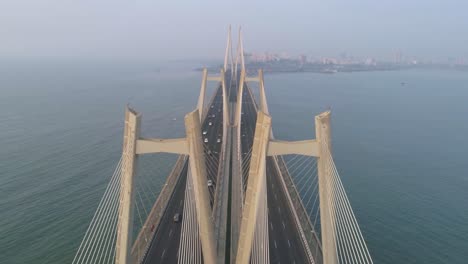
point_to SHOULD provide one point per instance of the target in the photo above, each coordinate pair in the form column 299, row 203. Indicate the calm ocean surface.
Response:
column 401, row 150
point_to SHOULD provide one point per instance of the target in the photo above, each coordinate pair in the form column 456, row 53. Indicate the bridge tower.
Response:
column 327, row 210
column 255, row 193
column 125, row 216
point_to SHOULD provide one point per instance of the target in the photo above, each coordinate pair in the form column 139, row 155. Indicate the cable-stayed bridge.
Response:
column 231, row 192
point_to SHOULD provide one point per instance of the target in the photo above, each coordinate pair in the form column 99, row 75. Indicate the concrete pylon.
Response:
column 199, row 178
column 228, row 48
column 327, row 210
column 263, row 100
column 255, row 186
column 241, row 49
column 240, row 94
column 240, row 53
column 226, row 114
column 201, row 97
column 125, row 219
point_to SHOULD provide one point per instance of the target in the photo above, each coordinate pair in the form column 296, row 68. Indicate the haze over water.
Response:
column 400, row 149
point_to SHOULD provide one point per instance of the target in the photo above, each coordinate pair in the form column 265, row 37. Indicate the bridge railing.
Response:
column 151, row 225
column 305, row 226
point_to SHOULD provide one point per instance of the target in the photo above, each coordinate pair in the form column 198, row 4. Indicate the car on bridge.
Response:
column 177, row 218
column 204, row 132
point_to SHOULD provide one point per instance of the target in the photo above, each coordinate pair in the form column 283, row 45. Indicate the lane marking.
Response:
column 283, row 225
column 162, row 255
column 271, row 225
column 289, row 243
column 170, row 233
column 275, row 244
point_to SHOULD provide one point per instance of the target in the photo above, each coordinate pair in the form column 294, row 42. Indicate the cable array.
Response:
column 212, row 168
column 98, row 244
column 350, row 244
column 189, row 245
column 303, row 171
column 260, row 247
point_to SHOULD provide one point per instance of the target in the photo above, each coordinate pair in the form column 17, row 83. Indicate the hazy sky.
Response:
column 197, row 29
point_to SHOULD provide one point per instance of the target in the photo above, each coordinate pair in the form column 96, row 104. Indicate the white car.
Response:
column 219, row 140
column 210, row 183
column 204, row 132
column 210, row 123
column 206, row 140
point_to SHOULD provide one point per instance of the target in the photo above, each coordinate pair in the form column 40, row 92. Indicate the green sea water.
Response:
column 400, row 149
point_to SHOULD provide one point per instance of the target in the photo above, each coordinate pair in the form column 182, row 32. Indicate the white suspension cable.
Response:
column 108, row 225
column 356, row 230
column 91, row 228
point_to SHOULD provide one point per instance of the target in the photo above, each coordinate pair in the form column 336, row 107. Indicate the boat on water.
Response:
column 329, row 71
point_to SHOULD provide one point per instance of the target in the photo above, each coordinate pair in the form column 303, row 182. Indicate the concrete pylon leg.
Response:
column 226, row 114
column 240, row 94
column 199, row 178
column 327, row 210
column 263, row 100
column 228, row 48
column 201, row 97
column 255, row 187
column 125, row 220
column 241, row 49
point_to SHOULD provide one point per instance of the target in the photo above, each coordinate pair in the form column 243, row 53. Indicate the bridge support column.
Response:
column 228, row 49
column 226, row 114
column 125, row 221
column 240, row 94
column 201, row 98
column 327, row 210
column 255, row 186
column 263, row 100
column 199, row 178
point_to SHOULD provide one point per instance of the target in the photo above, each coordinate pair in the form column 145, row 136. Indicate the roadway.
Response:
column 165, row 244
column 214, row 132
column 284, row 237
column 285, row 244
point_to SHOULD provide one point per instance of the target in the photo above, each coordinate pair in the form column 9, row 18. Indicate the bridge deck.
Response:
column 285, row 243
column 165, row 245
